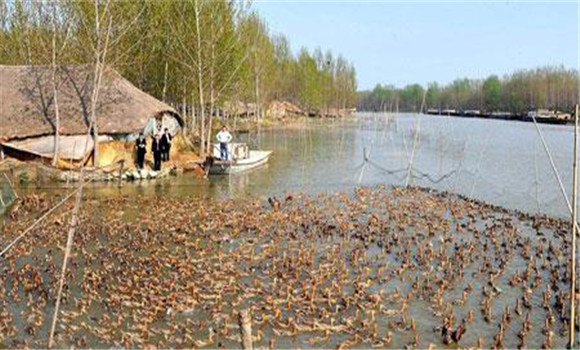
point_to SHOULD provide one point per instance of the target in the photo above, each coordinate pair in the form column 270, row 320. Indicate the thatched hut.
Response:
column 284, row 109
column 27, row 118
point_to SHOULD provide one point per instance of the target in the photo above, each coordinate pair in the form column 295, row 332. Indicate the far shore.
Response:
column 498, row 116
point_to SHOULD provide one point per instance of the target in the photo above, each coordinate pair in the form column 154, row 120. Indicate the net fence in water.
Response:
column 500, row 162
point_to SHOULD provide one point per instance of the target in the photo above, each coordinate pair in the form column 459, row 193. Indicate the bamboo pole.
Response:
column 574, row 227
column 553, row 165
column 365, row 161
column 246, row 329
column 121, row 172
column 412, row 160
column 69, row 241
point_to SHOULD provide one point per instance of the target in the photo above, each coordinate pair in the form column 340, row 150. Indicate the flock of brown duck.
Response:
column 378, row 268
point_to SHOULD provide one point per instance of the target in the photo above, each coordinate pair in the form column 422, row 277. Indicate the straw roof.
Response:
column 282, row 109
column 28, row 111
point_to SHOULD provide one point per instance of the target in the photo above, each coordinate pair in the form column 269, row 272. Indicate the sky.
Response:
column 399, row 43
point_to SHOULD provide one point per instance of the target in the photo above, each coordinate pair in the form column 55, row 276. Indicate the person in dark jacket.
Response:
column 156, row 150
column 165, row 145
column 141, row 145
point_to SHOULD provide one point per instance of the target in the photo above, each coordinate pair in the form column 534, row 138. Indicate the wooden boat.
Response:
column 255, row 159
column 243, row 159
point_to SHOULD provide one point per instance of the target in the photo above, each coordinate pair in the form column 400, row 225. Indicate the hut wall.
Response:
column 71, row 147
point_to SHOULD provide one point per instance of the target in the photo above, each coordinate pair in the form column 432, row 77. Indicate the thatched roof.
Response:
column 27, row 102
column 283, row 109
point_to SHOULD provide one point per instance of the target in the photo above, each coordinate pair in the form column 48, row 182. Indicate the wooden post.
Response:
column 122, row 161
column 574, row 226
column 365, row 161
column 12, row 175
column 246, row 329
column 365, row 157
column 38, row 179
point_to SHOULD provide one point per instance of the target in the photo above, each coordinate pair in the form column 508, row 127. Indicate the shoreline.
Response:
column 40, row 170
column 511, row 117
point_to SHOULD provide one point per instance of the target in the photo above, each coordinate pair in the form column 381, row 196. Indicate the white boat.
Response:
column 242, row 159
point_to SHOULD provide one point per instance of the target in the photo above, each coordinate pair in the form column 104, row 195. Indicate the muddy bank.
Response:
column 245, row 125
column 38, row 173
column 373, row 268
column 183, row 159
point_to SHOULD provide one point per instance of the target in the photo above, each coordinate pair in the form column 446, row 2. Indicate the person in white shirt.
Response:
column 224, row 137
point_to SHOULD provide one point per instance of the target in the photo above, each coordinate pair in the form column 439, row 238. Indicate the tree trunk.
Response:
column 55, row 93
column 184, row 108
column 257, row 82
column 55, row 156
column 200, row 81
column 94, row 92
column 100, row 56
column 212, row 94
column 193, row 112
column 165, row 81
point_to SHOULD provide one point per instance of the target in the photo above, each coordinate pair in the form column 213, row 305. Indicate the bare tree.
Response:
column 200, row 76
column 55, row 33
column 100, row 55
column 55, row 90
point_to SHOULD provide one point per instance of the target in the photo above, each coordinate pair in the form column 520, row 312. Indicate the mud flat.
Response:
column 374, row 267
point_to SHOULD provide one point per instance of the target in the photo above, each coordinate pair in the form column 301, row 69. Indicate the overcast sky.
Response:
column 407, row 42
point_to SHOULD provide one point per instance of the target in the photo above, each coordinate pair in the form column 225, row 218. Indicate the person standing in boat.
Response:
column 141, row 145
column 156, row 150
column 224, row 137
column 165, row 145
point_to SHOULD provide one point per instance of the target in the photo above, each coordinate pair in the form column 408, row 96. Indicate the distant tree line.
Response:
column 198, row 55
column 551, row 87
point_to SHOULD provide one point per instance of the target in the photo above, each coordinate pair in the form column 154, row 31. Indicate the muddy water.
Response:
column 174, row 271
column 496, row 161
column 501, row 162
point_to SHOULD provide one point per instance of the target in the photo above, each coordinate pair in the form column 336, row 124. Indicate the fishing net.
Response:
column 497, row 161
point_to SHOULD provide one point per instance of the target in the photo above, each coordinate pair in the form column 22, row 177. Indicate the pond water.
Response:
column 501, row 162
column 419, row 239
